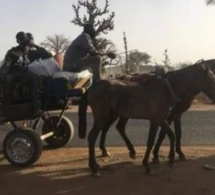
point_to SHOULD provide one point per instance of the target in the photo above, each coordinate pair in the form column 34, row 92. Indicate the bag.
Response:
column 46, row 68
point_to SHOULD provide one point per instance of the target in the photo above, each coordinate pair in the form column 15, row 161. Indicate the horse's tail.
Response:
column 82, row 116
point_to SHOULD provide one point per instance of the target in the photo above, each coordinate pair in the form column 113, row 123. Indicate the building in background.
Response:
column 113, row 72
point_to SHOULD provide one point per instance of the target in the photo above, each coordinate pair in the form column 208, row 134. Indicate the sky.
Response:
column 186, row 28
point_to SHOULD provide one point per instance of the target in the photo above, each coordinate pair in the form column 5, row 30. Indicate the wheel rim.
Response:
column 20, row 149
column 62, row 134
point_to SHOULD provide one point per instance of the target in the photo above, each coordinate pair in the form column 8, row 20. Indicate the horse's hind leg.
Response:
column 121, row 128
column 151, row 138
column 111, row 120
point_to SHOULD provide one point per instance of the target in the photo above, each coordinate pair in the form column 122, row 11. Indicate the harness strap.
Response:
column 175, row 98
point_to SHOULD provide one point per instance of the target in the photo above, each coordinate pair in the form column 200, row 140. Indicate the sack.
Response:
column 72, row 76
column 46, row 68
column 69, row 76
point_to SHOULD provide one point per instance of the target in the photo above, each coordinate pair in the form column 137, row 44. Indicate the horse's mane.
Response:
column 210, row 63
column 169, row 74
column 205, row 61
column 198, row 64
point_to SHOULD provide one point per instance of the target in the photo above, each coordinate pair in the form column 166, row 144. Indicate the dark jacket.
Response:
column 18, row 58
column 15, row 59
column 37, row 52
column 79, row 48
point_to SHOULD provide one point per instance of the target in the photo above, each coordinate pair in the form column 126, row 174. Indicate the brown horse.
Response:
column 175, row 117
column 150, row 100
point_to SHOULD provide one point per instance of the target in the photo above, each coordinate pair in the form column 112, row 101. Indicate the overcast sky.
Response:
column 185, row 27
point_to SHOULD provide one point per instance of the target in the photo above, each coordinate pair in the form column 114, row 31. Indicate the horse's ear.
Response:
column 200, row 61
column 205, row 67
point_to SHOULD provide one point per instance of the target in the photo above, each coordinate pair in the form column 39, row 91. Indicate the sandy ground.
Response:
column 65, row 171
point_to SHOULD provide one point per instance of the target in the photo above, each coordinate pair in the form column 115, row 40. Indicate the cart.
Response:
column 22, row 146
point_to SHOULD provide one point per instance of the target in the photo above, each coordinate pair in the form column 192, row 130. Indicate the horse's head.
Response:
column 208, row 84
column 211, row 63
column 191, row 80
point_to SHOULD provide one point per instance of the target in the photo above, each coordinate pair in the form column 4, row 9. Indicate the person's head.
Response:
column 22, row 39
column 90, row 30
column 30, row 38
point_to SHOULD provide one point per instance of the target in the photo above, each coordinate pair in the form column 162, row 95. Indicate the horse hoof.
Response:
column 171, row 163
column 132, row 155
column 96, row 174
column 148, row 171
column 98, row 166
column 106, row 154
column 182, row 158
column 155, row 161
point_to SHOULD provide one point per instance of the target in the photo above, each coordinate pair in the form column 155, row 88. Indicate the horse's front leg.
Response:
column 102, row 147
column 150, row 142
column 156, row 149
column 178, row 134
column 172, row 141
column 93, row 134
column 111, row 120
column 121, row 128
column 161, row 137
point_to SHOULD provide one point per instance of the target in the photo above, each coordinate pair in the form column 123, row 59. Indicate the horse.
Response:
column 175, row 117
column 152, row 99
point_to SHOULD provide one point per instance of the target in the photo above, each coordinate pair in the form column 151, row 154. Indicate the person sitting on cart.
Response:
column 45, row 57
column 82, row 55
column 15, row 70
column 35, row 51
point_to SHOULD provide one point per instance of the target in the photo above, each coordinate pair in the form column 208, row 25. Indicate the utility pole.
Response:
column 166, row 60
column 126, row 54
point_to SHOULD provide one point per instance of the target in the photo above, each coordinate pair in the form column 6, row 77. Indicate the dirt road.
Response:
column 65, row 171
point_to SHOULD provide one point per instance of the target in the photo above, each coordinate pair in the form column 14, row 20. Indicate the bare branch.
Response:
column 93, row 12
column 210, row 2
column 101, row 18
column 57, row 43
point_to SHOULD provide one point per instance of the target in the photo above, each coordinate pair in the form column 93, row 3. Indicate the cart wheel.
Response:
column 22, row 147
column 63, row 134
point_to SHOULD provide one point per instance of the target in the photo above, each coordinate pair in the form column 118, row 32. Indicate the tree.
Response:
column 95, row 15
column 210, row 2
column 136, row 58
column 56, row 44
column 93, row 12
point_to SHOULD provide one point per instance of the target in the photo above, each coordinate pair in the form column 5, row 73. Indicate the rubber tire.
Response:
column 65, row 131
column 32, row 137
